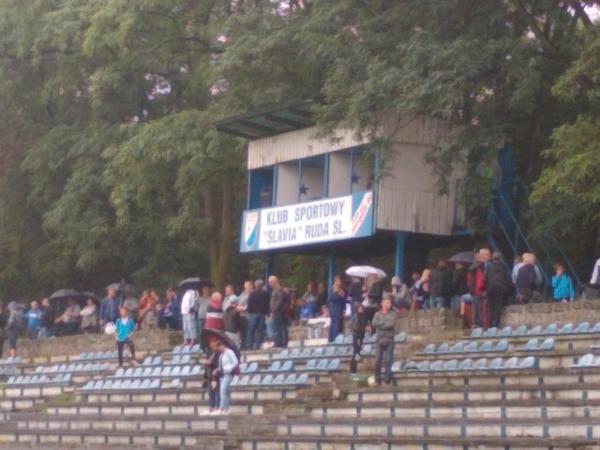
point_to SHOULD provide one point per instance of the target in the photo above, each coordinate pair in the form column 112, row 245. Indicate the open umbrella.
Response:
column 193, row 283
column 64, row 293
column 207, row 333
column 463, row 257
column 365, row 272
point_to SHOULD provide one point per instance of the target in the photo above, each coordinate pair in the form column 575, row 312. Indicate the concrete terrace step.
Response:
column 584, row 428
column 448, row 393
column 509, row 409
column 392, row 443
column 151, row 409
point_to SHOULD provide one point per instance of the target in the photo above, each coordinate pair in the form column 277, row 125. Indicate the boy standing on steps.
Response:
column 124, row 327
column 383, row 324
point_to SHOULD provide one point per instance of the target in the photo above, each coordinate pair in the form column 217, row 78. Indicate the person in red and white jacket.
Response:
column 214, row 312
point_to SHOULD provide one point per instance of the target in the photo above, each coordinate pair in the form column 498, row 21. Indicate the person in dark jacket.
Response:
column 440, row 285
column 526, row 280
column 276, row 312
column 459, row 285
column 3, row 322
column 211, row 363
column 384, row 323
column 476, row 283
column 359, row 326
column 258, row 309
column 497, row 285
column 356, row 292
column 47, row 320
column 109, row 308
column 232, row 320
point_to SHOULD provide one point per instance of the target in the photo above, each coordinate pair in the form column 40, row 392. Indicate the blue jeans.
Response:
column 384, row 357
column 337, row 322
column 255, row 330
column 225, row 391
column 189, row 327
column 437, row 302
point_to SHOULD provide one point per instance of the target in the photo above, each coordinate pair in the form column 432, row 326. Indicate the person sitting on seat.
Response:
column 89, row 317
column 68, row 323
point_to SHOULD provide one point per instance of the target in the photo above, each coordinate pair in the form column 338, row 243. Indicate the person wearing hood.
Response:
column 498, row 286
column 402, row 301
column 232, row 321
column 214, row 312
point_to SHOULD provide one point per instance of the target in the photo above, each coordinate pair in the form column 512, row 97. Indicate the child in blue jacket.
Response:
column 562, row 286
column 124, row 327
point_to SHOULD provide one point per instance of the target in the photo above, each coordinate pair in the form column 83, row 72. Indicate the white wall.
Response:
column 312, row 177
column 287, row 184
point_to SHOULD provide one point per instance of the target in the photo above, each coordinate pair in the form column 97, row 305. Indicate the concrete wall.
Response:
column 547, row 313
column 287, row 184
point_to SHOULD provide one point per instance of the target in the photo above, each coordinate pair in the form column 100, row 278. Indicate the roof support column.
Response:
column 401, row 237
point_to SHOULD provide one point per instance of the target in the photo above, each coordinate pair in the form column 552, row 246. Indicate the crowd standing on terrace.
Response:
column 261, row 313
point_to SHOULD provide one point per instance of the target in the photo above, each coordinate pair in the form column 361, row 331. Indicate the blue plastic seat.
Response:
column 521, row 330
column 458, row 347
column 302, row 379
column 318, row 352
column 410, row 365
column 117, row 384
column 437, row 365
column 185, row 359
column 275, row 366
column 98, row 384
column 155, row 384
column 146, row 383
column 334, row 364
column 341, row 350
column 535, row 331
column 531, row 345
column 120, row 372
column 135, row 384
column 429, row 349
column 400, row 337
column 567, row 328
column 243, row 367
column 295, row 353
column 397, row 366
column 451, row 365
column 481, row 364
column 443, row 348
column 147, row 361
column 595, row 328
column 367, row 349
column 252, row 368
column 486, row 346
column 476, row 332
column 551, row 329
column 311, row 364
column 528, row 363
column 255, row 380
column 423, row 366
column 245, row 380
column 185, row 371
column 267, row 380
column 166, row 371
column 323, row 364
column 290, row 379
column 505, row 332
column 279, row 379
column 329, row 351
column 465, row 364
column 157, row 361
column 496, row 364
column 511, row 363
column 234, row 381
column 501, row 346
column 490, row 332
column 156, row 371
column 583, row 327
column 283, row 353
column 586, row 360
column 176, row 371
column 177, row 349
column 137, row 372
column 548, row 344
column 195, row 370
column 339, row 339
column 306, row 352
column 472, row 347
column 147, row 372
column 287, row 366
column 86, row 387
column 348, row 339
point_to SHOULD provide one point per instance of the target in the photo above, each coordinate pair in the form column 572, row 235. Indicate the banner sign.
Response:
column 326, row 220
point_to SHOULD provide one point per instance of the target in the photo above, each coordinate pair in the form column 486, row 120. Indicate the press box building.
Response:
column 309, row 194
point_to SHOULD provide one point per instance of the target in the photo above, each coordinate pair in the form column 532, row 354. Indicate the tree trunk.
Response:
column 212, row 242
column 226, row 231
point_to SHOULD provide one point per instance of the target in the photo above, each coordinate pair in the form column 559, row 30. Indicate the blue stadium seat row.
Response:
column 101, row 355
column 534, row 345
column 153, row 361
column 271, row 380
column 38, row 379
column 467, row 347
column 370, row 339
column 137, row 384
column 72, row 368
column 317, row 352
column 159, row 371
column 529, row 362
column 323, row 365
column 187, row 349
column 11, row 360
column 537, row 330
column 587, row 360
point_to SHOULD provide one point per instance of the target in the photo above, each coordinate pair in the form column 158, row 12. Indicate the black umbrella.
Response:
column 64, row 293
column 208, row 333
column 193, row 283
column 463, row 257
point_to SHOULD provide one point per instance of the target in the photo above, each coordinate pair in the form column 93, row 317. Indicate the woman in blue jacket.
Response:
column 562, row 286
column 336, row 304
